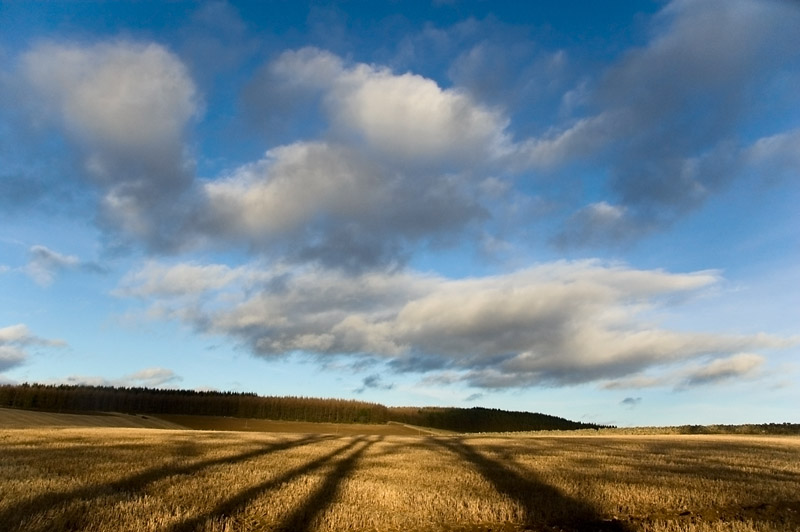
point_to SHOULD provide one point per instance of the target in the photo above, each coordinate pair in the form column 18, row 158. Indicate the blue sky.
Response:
column 587, row 211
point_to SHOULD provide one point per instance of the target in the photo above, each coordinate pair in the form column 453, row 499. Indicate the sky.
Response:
column 583, row 209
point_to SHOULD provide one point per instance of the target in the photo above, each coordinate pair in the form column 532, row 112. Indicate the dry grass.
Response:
column 296, row 427
column 17, row 418
column 100, row 479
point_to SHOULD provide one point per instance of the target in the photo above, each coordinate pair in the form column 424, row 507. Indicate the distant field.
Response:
column 296, row 427
column 99, row 479
column 16, row 418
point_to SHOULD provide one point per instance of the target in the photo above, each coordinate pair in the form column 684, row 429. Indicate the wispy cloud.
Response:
column 15, row 342
column 705, row 371
column 155, row 377
column 737, row 366
column 44, row 264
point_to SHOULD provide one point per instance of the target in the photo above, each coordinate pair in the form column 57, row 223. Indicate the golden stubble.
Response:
column 100, row 479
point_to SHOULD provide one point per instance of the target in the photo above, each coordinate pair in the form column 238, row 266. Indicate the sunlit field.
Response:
column 59, row 479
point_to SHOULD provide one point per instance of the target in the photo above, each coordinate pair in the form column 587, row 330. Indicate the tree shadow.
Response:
column 302, row 517
column 14, row 516
column 542, row 504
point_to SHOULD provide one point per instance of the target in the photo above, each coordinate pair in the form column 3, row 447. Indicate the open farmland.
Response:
column 59, row 479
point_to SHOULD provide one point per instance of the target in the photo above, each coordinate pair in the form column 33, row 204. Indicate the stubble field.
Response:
column 100, row 479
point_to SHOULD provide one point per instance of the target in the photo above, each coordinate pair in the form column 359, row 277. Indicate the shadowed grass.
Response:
column 542, row 504
column 240, row 501
column 302, row 518
column 21, row 511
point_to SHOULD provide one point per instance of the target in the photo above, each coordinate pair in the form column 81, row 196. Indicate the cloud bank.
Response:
column 557, row 324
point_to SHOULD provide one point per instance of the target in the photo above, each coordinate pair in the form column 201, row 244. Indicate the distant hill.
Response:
column 78, row 399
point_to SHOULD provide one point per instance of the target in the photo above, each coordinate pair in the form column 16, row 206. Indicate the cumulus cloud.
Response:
column 125, row 105
column 44, row 264
column 555, row 324
column 395, row 170
column 15, row 340
column 155, row 377
column 382, row 160
column 667, row 121
column 405, row 116
column 323, row 202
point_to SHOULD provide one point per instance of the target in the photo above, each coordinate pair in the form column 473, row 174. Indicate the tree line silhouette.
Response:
column 83, row 398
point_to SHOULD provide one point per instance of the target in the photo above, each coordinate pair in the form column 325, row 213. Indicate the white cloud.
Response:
column 732, row 367
column 578, row 141
column 559, row 323
column 152, row 377
column 45, row 263
column 155, row 377
column 11, row 356
column 725, row 365
column 600, row 223
column 330, row 203
column 158, row 280
column 121, row 95
column 125, row 105
column 15, row 340
column 307, row 68
column 291, row 186
column 400, row 115
column 412, row 117
column 776, row 156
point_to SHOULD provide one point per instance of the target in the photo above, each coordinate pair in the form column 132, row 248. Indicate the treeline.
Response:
column 68, row 398
column 482, row 420
column 78, row 398
column 760, row 428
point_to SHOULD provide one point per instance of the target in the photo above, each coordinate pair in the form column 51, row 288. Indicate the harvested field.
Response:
column 296, row 427
column 16, row 418
column 133, row 479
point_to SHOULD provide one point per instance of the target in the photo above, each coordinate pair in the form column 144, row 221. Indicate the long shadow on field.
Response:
column 543, row 505
column 301, row 518
column 11, row 518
